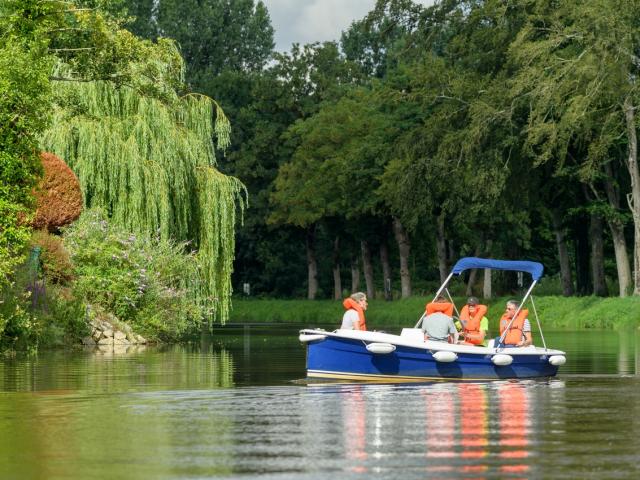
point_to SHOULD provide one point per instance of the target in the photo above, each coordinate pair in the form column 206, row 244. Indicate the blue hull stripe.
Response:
column 336, row 356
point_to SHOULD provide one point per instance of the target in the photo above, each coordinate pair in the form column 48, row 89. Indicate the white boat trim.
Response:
column 310, row 337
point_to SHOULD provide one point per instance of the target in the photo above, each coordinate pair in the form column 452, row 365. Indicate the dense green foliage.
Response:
column 144, row 281
column 113, row 106
column 482, row 128
column 24, row 93
column 473, row 128
column 99, row 268
column 150, row 164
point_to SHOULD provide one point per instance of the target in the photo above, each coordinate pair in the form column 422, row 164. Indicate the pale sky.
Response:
column 307, row 21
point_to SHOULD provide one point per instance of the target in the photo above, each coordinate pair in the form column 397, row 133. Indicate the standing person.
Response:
column 475, row 325
column 353, row 318
column 519, row 333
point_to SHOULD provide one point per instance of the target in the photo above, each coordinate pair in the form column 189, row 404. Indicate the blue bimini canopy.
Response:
column 467, row 263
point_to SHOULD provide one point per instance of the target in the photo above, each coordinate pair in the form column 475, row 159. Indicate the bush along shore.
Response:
column 556, row 312
column 97, row 282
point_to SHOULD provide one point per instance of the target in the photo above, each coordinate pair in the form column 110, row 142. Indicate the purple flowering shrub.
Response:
column 143, row 281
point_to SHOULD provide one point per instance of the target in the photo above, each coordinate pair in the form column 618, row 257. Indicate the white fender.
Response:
column 502, row 359
column 445, row 356
column 308, row 337
column 557, row 360
column 381, row 348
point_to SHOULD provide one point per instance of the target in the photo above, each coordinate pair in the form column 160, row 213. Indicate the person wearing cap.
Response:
column 474, row 323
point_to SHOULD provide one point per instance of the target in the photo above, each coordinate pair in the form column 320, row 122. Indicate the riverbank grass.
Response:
column 555, row 312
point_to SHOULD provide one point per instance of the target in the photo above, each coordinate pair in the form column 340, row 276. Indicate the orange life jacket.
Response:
column 514, row 335
column 472, row 324
column 351, row 304
column 440, row 307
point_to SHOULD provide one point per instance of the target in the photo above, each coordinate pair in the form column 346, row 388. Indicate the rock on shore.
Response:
column 110, row 333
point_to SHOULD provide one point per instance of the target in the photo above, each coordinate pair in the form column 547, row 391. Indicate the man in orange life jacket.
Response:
column 353, row 318
column 474, row 323
column 438, row 325
column 519, row 333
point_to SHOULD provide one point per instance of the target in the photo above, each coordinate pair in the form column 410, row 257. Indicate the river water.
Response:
column 234, row 406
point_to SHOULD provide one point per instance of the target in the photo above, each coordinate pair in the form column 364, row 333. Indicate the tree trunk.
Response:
column 622, row 257
column 563, row 254
column 355, row 274
column 337, row 281
column 633, row 198
column 486, row 287
column 404, row 246
column 597, row 257
column 473, row 273
column 583, row 276
column 386, row 269
column 617, row 234
column 312, row 264
column 367, row 266
column 452, row 256
column 441, row 243
column 486, row 284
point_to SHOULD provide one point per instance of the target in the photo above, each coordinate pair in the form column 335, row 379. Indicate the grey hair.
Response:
column 515, row 303
column 358, row 296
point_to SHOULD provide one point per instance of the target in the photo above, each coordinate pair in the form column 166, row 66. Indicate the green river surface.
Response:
column 234, row 406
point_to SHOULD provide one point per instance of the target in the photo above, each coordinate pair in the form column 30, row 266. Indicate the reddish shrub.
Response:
column 58, row 197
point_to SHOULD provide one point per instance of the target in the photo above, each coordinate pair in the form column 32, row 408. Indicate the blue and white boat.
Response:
column 379, row 356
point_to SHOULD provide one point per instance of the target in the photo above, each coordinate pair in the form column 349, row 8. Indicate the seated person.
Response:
column 474, row 324
column 440, row 304
column 439, row 327
column 353, row 318
column 518, row 334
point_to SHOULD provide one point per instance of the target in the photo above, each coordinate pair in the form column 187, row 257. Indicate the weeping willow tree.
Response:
column 146, row 156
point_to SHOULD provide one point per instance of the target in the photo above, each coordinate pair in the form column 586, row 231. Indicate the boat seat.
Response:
column 414, row 334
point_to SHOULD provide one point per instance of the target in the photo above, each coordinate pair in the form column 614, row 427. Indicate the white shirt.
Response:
column 350, row 319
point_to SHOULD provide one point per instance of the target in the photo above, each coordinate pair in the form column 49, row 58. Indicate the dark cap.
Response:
column 472, row 301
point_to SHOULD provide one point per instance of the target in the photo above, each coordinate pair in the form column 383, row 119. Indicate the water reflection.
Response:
column 227, row 408
column 113, row 370
column 474, row 427
column 514, row 426
column 477, row 430
column 355, row 432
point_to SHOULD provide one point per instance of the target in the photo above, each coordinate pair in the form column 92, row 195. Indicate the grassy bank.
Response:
column 554, row 312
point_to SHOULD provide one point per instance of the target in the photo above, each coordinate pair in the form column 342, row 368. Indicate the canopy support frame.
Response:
column 515, row 315
column 442, row 288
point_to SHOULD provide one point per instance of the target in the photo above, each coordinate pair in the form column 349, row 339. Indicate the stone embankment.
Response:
column 104, row 333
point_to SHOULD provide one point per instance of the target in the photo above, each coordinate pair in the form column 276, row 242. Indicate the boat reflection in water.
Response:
column 355, row 431
column 476, row 430
column 514, row 427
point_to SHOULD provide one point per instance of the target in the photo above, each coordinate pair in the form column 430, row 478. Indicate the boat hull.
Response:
column 348, row 358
